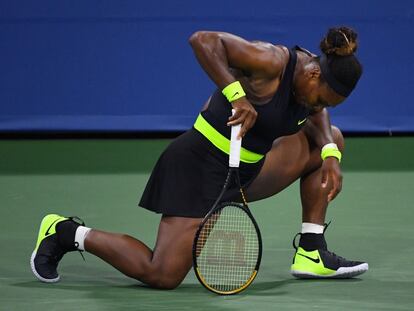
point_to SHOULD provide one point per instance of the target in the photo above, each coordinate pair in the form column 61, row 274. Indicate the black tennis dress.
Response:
column 190, row 173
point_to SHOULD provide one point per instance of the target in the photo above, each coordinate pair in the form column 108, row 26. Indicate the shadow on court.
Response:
column 106, row 285
column 274, row 287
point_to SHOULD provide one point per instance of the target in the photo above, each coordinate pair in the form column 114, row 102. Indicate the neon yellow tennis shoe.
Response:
column 51, row 246
column 324, row 264
column 315, row 261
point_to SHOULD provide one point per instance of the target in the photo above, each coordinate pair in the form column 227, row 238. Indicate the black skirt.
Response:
column 189, row 176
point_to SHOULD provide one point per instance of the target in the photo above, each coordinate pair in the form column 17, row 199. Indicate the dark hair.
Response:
column 339, row 66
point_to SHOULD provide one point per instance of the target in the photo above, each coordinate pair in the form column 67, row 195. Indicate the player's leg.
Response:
column 291, row 158
column 165, row 267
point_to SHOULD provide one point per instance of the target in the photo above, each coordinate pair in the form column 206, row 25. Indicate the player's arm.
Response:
column 219, row 52
column 318, row 129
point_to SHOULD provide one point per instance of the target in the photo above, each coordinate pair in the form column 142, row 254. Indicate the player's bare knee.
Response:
column 169, row 284
column 160, row 276
column 164, row 282
column 338, row 138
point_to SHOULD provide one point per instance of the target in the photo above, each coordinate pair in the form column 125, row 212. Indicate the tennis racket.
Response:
column 227, row 247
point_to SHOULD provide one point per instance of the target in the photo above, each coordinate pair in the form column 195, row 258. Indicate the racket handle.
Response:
column 235, row 145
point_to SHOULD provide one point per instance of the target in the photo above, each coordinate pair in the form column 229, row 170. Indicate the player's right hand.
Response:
column 245, row 115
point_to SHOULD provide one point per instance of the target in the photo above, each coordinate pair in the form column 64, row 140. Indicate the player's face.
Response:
column 316, row 94
column 324, row 97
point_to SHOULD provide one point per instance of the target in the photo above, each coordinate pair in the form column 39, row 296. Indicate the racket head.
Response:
column 227, row 249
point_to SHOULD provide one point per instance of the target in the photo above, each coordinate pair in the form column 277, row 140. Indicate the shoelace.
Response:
column 79, row 221
column 338, row 258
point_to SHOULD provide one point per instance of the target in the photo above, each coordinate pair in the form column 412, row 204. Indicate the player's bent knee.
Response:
column 338, row 138
column 158, row 277
column 168, row 284
column 155, row 279
column 163, row 282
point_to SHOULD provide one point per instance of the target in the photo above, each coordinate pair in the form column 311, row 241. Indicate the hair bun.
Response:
column 340, row 41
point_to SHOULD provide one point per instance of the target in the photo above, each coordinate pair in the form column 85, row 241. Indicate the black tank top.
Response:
column 281, row 116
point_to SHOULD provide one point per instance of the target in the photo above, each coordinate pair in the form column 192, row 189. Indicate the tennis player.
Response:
column 280, row 96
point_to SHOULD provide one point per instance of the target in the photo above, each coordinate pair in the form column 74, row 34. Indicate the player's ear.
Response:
column 313, row 71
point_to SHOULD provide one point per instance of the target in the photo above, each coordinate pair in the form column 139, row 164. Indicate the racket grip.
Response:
column 235, row 145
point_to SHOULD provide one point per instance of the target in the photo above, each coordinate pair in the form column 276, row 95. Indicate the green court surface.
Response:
column 101, row 181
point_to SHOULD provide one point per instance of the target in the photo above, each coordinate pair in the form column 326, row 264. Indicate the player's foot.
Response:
column 318, row 262
column 52, row 244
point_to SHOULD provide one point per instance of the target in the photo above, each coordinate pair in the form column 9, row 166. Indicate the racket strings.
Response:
column 228, row 249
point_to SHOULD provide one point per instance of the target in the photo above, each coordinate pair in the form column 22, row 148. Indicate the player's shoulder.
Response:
column 277, row 49
column 282, row 52
column 275, row 56
column 280, row 55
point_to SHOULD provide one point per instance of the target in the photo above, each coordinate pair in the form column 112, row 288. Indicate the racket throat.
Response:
column 243, row 196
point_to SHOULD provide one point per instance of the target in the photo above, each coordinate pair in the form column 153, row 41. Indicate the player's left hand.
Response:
column 331, row 175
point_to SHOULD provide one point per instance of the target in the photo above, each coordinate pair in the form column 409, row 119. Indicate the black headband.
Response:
column 333, row 83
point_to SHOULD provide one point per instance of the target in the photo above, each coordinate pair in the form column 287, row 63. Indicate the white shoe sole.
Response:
column 32, row 265
column 341, row 273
